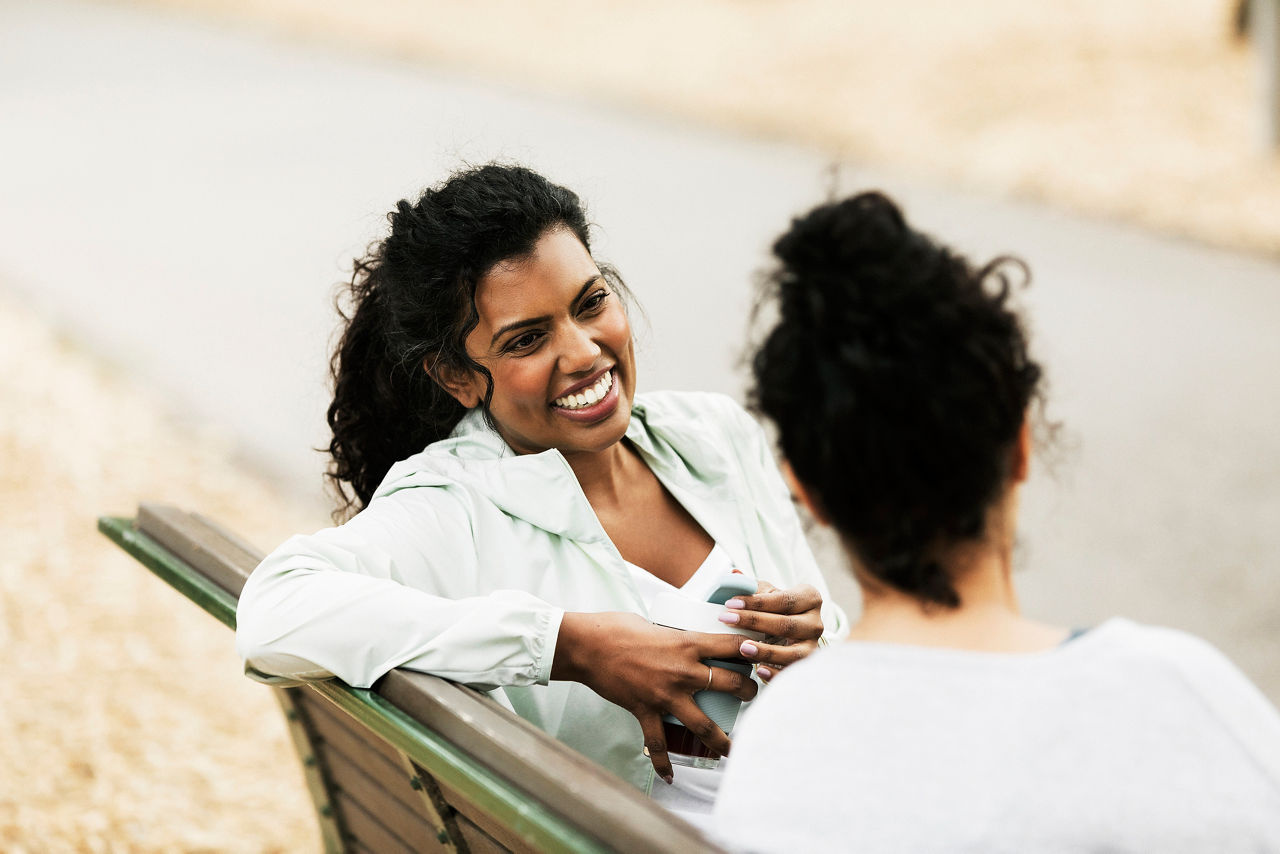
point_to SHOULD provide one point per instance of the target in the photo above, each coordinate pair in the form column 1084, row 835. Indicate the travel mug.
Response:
column 676, row 611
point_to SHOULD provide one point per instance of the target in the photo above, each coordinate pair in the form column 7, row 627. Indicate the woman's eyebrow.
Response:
column 534, row 321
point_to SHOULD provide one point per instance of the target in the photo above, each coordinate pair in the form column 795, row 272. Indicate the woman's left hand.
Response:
column 791, row 619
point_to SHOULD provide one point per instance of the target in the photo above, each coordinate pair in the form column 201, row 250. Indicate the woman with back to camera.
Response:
column 901, row 385
column 519, row 506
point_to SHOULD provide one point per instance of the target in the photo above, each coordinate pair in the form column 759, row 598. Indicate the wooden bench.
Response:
column 417, row 763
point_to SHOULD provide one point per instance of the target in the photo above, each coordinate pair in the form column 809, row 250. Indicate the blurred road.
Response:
column 182, row 199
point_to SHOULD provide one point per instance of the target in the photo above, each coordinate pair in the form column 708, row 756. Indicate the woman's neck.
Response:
column 604, row 475
column 988, row 618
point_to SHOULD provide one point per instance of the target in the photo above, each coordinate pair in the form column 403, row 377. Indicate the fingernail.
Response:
column 748, row 649
column 667, row 778
column 728, row 617
column 735, row 603
column 765, row 673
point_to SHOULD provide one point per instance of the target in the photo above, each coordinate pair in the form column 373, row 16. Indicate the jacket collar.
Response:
column 541, row 488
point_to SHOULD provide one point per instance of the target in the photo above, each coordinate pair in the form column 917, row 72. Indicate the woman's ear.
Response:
column 1020, row 465
column 805, row 496
column 464, row 386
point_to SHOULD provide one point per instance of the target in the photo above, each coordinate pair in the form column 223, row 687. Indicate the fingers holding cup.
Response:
column 794, row 614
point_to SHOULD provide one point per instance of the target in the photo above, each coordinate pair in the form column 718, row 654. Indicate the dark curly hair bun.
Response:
column 899, row 378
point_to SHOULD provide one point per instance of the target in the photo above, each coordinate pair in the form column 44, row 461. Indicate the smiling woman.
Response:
column 520, row 508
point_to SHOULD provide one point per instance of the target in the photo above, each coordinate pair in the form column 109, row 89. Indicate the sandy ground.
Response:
column 1145, row 111
column 111, row 741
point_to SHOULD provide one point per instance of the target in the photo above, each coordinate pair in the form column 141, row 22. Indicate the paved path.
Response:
column 183, row 198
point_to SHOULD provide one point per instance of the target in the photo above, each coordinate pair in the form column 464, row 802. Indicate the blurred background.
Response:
column 183, row 182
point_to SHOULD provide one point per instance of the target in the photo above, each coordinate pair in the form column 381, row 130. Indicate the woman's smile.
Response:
column 597, row 400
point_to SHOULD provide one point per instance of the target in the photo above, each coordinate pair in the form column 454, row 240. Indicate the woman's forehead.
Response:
column 547, row 279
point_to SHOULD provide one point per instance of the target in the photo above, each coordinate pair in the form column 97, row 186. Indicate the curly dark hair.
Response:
column 412, row 301
column 898, row 377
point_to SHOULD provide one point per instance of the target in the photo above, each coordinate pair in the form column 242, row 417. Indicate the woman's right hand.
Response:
column 650, row 671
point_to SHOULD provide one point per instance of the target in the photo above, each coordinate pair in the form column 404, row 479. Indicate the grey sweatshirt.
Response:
column 1128, row 738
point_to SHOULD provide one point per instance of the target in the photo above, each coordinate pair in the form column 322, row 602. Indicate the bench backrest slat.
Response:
column 213, row 552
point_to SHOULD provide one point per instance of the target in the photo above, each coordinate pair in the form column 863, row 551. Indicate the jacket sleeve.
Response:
column 773, row 498
column 393, row 587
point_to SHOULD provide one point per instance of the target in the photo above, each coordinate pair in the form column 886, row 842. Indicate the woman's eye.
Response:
column 524, row 342
column 594, row 301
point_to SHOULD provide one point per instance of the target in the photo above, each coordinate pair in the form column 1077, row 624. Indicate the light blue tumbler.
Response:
column 677, row 611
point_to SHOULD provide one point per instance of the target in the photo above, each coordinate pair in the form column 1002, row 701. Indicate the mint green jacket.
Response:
column 468, row 555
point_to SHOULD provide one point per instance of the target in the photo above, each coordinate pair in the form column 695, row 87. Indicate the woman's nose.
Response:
column 580, row 352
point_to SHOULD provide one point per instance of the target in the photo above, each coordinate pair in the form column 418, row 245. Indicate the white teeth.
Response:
column 589, row 396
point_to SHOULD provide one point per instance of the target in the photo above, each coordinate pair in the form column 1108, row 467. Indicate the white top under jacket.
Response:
column 468, row 555
column 1128, row 738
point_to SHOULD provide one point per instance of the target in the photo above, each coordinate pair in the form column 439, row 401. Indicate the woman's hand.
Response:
column 650, row 671
column 791, row 620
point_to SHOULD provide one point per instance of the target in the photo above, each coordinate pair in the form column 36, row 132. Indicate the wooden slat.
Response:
column 392, row 770
column 565, row 782
column 178, row 574
column 301, row 729
column 226, row 561
column 499, row 834
column 367, row 830
column 400, row 819
column 383, row 761
column 477, row 841
column 434, row 805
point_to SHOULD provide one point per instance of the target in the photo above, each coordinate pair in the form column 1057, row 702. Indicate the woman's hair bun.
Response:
column 845, row 264
column 858, row 230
